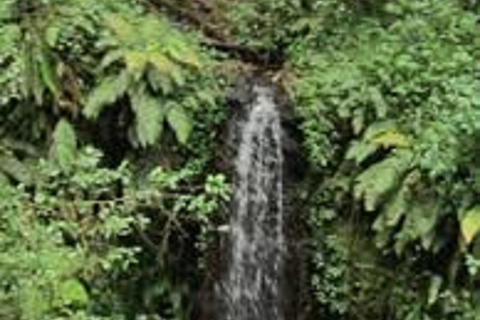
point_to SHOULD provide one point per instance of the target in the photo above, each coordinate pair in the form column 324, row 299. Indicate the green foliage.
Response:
column 277, row 25
column 379, row 179
column 470, row 224
column 79, row 240
column 47, row 240
column 180, row 123
column 107, row 92
column 68, row 231
column 147, row 60
column 52, row 53
column 387, row 98
column 389, row 110
column 64, row 146
column 148, row 117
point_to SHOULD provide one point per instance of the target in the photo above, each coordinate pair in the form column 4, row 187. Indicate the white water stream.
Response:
column 250, row 289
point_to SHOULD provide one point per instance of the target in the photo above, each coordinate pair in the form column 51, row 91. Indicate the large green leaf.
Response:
column 48, row 73
column 419, row 224
column 470, row 224
column 380, row 134
column 72, row 292
column 180, row 122
column 64, row 147
column 360, row 151
column 122, row 28
column 375, row 182
column 148, row 117
column 378, row 102
column 434, row 289
column 110, row 58
column 390, row 216
column 16, row 169
column 107, row 92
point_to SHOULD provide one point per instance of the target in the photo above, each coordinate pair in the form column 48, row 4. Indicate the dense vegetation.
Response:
column 111, row 115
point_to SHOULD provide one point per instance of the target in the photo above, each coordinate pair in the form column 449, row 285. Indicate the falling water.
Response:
column 251, row 285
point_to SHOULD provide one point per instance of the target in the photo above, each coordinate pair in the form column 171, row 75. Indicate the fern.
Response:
column 163, row 65
column 150, row 39
column 378, row 135
column 152, row 56
column 107, row 92
column 122, row 29
column 373, row 184
column 158, row 82
column 15, row 160
column 360, row 150
column 15, row 168
column 180, row 123
column 48, row 73
column 379, row 102
column 149, row 118
column 64, row 147
column 397, row 206
column 136, row 61
column 418, row 225
column 110, row 58
column 40, row 63
column 390, row 216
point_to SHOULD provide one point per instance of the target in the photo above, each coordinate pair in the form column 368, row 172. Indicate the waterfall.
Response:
column 251, row 286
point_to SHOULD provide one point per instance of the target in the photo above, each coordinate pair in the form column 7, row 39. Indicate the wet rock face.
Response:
column 213, row 304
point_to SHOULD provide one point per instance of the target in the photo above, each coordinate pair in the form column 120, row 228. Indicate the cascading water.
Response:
column 251, row 286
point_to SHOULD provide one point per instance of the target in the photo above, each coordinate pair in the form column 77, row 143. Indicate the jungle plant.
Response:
column 391, row 118
column 148, row 61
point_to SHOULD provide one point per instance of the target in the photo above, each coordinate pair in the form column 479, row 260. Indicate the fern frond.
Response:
column 107, row 92
column 181, row 50
column 16, row 169
column 180, row 122
column 48, row 73
column 136, row 60
column 158, row 81
column 163, row 64
column 110, row 58
column 379, row 102
column 360, row 151
column 390, row 216
column 380, row 134
column 123, row 29
column 379, row 179
column 378, row 128
column 153, row 40
column 418, row 225
column 64, row 147
column 358, row 120
column 148, row 117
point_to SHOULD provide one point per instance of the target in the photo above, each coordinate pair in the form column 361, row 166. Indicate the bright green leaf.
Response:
column 180, row 123
column 107, row 92
column 148, row 118
column 73, row 292
column 64, row 147
column 470, row 224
